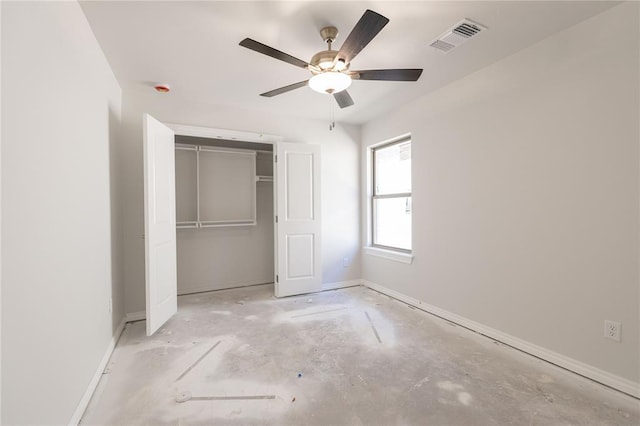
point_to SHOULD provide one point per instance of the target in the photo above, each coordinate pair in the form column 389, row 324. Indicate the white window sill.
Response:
column 389, row 254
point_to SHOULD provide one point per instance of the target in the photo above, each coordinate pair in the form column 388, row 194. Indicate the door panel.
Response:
column 161, row 282
column 298, row 249
column 299, row 199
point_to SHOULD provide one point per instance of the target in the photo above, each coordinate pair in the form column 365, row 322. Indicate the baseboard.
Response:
column 611, row 380
column 341, row 284
column 84, row 401
column 135, row 316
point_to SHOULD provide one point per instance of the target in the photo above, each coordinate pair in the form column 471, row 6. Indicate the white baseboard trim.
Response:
column 341, row 284
column 84, row 401
column 611, row 380
column 135, row 316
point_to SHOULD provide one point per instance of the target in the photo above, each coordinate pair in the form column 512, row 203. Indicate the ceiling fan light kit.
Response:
column 330, row 82
column 330, row 68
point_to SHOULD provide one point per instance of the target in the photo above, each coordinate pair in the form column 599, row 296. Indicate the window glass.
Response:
column 391, row 200
column 393, row 222
column 393, row 169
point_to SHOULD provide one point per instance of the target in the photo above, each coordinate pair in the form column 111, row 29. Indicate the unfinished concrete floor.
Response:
column 343, row 357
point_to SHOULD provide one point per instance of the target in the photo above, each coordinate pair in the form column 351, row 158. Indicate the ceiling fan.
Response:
column 330, row 68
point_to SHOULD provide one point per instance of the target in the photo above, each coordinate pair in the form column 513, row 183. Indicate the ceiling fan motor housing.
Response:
column 323, row 60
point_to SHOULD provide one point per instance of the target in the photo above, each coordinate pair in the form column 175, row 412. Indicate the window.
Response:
column 391, row 200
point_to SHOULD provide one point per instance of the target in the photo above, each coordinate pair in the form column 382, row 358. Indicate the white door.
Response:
column 160, row 223
column 298, row 256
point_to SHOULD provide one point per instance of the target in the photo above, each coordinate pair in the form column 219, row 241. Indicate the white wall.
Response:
column 340, row 176
column 526, row 192
column 60, row 243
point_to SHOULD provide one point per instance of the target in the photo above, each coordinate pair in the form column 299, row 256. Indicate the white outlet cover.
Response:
column 612, row 330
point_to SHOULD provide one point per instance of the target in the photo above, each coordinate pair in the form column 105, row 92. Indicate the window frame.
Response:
column 375, row 196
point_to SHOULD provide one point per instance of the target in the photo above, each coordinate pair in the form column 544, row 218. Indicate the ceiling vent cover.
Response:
column 457, row 35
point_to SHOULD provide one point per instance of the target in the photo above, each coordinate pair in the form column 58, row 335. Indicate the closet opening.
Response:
column 224, row 213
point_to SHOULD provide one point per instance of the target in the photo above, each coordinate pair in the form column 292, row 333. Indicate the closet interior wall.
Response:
column 224, row 252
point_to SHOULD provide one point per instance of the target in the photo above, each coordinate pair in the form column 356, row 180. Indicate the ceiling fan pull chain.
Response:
column 333, row 114
column 332, row 123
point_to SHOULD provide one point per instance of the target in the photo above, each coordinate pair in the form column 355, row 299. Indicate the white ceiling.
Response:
column 193, row 46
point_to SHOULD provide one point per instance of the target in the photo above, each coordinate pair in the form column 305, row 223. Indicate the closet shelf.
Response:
column 215, row 224
column 226, row 223
column 215, row 187
column 264, row 178
column 185, row 225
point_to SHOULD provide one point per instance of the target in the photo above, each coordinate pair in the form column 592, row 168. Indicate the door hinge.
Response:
column 276, row 278
column 275, row 158
column 276, row 219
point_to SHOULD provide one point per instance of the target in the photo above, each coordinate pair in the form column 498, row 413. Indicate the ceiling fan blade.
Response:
column 388, row 75
column 284, row 89
column 365, row 30
column 343, row 98
column 274, row 53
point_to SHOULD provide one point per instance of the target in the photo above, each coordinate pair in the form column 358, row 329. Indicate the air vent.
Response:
column 457, row 35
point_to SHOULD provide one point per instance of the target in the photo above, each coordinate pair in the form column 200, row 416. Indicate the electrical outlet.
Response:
column 612, row 330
